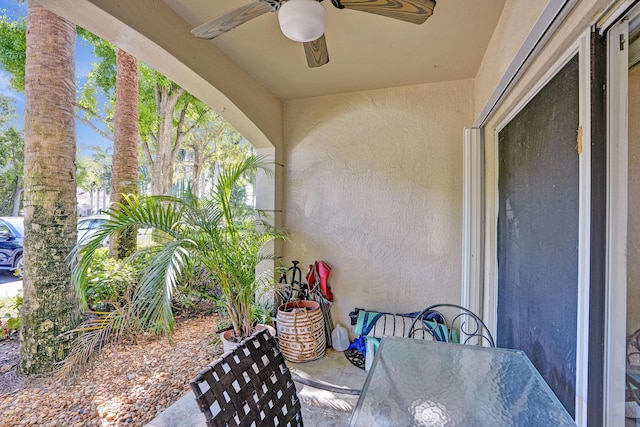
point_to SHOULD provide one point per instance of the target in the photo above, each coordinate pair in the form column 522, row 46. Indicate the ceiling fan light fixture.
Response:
column 302, row 20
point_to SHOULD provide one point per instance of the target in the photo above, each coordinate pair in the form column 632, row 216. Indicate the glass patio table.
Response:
column 416, row 382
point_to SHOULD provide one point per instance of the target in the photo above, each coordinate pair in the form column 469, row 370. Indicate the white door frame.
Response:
column 472, row 226
column 475, row 229
column 617, row 176
column 582, row 48
column 617, row 195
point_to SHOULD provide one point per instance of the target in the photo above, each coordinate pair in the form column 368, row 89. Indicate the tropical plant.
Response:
column 226, row 240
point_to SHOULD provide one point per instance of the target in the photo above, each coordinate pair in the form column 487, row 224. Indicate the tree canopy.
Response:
column 11, row 160
column 173, row 124
column 13, row 48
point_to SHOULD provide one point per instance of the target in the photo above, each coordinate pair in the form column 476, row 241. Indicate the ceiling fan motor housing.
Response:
column 302, row 20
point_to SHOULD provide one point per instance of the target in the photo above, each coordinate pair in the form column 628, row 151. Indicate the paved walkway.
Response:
column 9, row 284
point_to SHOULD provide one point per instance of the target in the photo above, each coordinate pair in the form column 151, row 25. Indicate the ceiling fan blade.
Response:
column 228, row 21
column 414, row 11
column 316, row 52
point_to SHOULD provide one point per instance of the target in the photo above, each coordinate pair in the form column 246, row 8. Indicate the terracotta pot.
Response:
column 228, row 344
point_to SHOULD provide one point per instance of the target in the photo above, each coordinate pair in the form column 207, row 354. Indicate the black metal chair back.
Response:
column 250, row 385
column 470, row 328
column 632, row 386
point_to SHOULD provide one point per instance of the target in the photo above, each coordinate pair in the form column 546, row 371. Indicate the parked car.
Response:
column 90, row 225
column 11, row 242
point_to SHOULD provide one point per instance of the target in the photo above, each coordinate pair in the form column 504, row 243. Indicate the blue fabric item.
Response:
column 359, row 344
column 431, row 315
column 372, row 349
column 440, row 332
column 373, row 343
column 366, row 321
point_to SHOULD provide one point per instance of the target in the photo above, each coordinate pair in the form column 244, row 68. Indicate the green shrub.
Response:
column 110, row 282
column 197, row 293
column 10, row 321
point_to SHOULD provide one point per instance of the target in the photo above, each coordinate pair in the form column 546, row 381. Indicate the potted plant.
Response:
column 218, row 234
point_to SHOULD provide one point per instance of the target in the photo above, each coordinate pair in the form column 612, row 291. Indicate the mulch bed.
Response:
column 128, row 385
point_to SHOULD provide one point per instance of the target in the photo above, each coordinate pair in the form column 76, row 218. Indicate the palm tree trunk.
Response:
column 124, row 169
column 50, row 303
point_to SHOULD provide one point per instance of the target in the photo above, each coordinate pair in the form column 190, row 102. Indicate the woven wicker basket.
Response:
column 301, row 331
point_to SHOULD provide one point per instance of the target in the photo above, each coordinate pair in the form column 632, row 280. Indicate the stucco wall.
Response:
column 633, row 229
column 374, row 187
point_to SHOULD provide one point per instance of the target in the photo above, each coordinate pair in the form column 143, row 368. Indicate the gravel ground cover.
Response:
column 128, row 385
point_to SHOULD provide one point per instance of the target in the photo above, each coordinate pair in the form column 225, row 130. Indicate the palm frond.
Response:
column 151, row 302
column 91, row 335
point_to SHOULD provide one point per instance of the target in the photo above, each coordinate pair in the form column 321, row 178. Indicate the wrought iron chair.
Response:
column 250, row 385
column 632, row 392
column 471, row 329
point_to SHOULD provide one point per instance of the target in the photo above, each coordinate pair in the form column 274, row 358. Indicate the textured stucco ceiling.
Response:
column 366, row 51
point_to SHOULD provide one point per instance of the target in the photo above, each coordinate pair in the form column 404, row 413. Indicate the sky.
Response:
column 86, row 137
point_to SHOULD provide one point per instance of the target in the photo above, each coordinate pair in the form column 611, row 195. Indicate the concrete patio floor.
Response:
column 319, row 407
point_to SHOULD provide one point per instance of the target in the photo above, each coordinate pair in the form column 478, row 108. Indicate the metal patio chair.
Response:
column 464, row 326
column 632, row 386
column 250, row 385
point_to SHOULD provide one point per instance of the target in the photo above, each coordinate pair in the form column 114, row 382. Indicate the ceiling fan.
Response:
column 305, row 20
